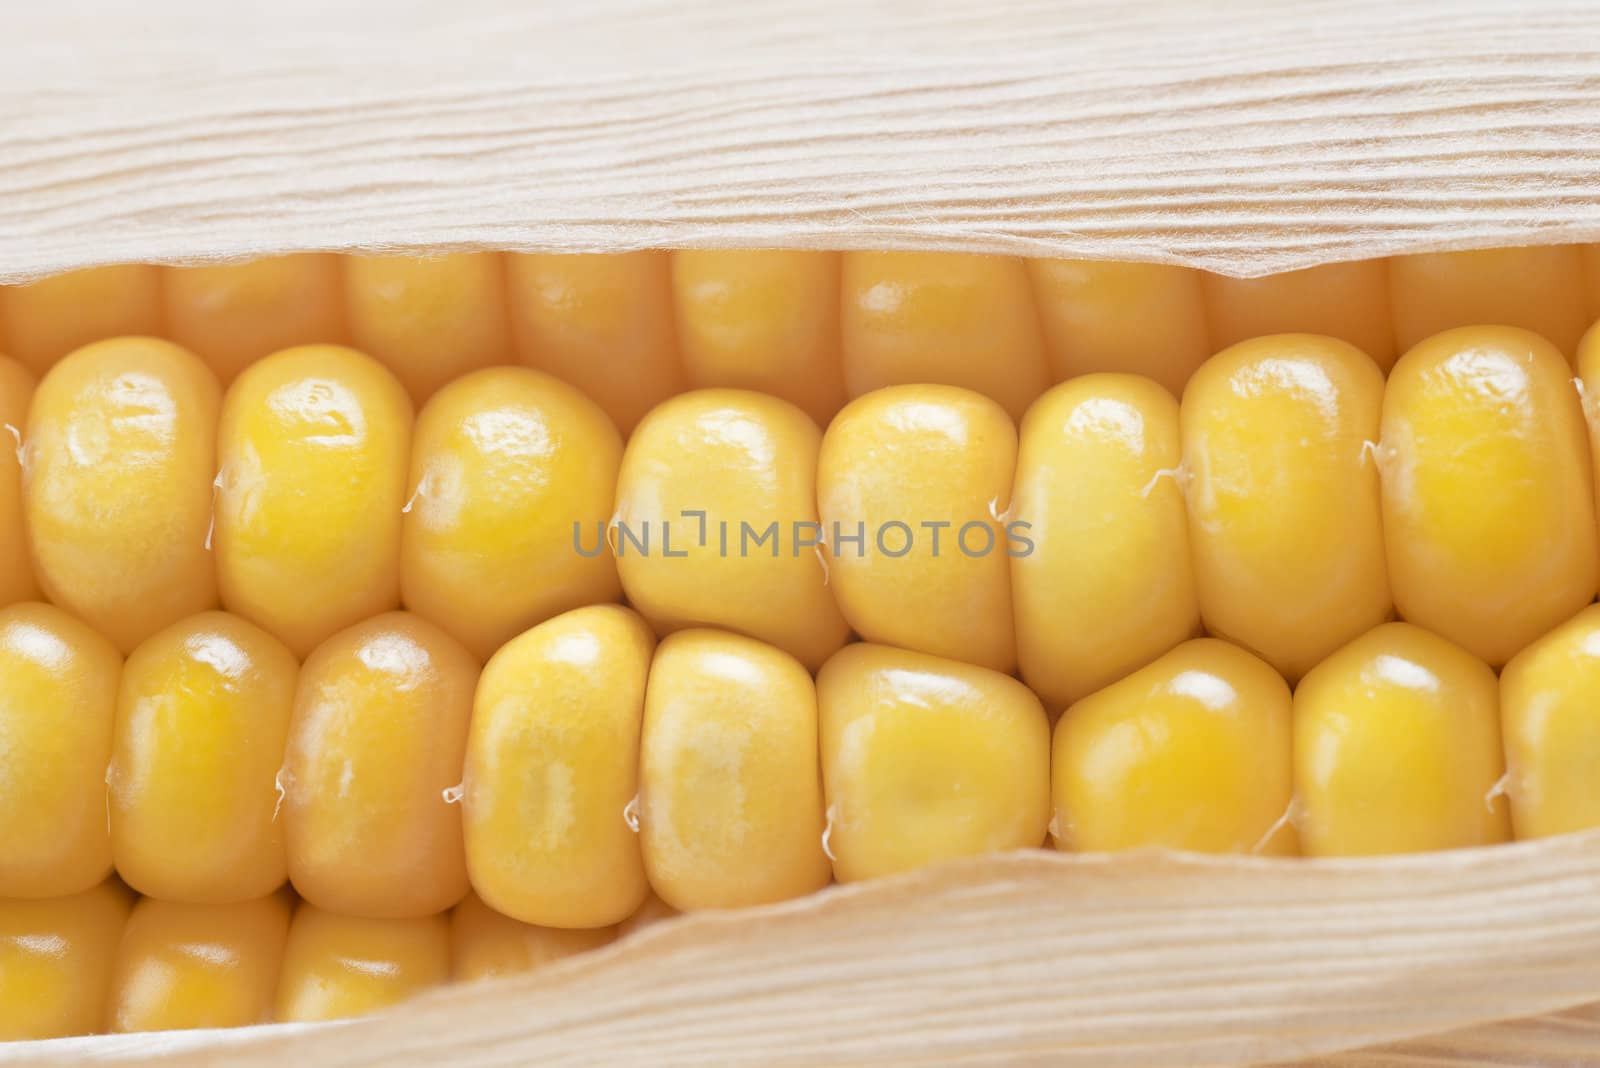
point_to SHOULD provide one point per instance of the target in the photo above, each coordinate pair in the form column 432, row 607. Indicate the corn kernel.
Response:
column 512, row 468
column 722, row 481
column 942, row 317
column 1285, row 516
column 58, row 701
column 231, row 315
column 926, row 759
column 1538, row 289
column 16, row 562
column 762, row 320
column 182, row 966
column 314, row 443
column 202, row 719
column 912, row 482
column 45, row 320
column 116, row 484
column 603, row 323
column 429, row 320
column 1108, row 586
column 730, row 798
column 1588, row 382
column 1191, row 752
column 56, row 957
column 340, row 966
column 376, row 740
column 485, row 944
column 552, row 770
column 1550, row 716
column 1397, row 748
column 1137, row 318
column 1348, row 301
column 1488, row 508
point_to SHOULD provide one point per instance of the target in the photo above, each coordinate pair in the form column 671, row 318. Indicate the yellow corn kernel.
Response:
column 116, row 484
column 1191, row 752
column 730, row 802
column 912, row 482
column 56, row 958
column 1550, row 716
column 553, row 769
column 484, row 944
column 202, row 719
column 652, row 912
column 376, row 741
column 16, row 563
column 1397, row 748
column 926, row 759
column 184, row 966
column 1285, row 514
column 1538, row 289
column 431, row 319
column 714, row 501
column 603, row 323
column 58, row 701
column 231, row 315
column 313, row 444
column 1588, row 365
column 1108, row 586
column 45, row 320
column 1348, row 301
column 763, row 320
column 340, row 966
column 942, row 317
column 1488, row 508
column 512, row 468
column 1137, row 318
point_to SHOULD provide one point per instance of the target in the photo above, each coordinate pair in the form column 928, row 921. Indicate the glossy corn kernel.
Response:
column 1108, row 586
column 56, row 959
column 313, row 444
column 188, row 966
column 58, row 700
column 340, row 966
column 429, row 319
column 912, row 483
column 942, row 317
column 762, row 320
column 116, row 482
column 730, row 802
column 1348, row 301
column 484, row 944
column 1135, row 318
column 926, row 759
column 1191, row 752
column 1285, row 515
column 716, row 513
column 231, row 315
column 603, row 323
column 45, row 320
column 375, row 742
column 552, row 771
column 16, row 563
column 1538, row 289
column 1397, row 748
column 1488, row 507
column 1550, row 717
column 512, row 469
column 1588, row 383
column 202, row 718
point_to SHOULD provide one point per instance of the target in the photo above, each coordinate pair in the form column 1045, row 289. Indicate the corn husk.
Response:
column 1242, row 137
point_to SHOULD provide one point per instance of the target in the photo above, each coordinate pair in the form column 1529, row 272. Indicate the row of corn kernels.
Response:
column 1290, row 503
column 585, row 766
column 98, row 961
column 814, row 328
